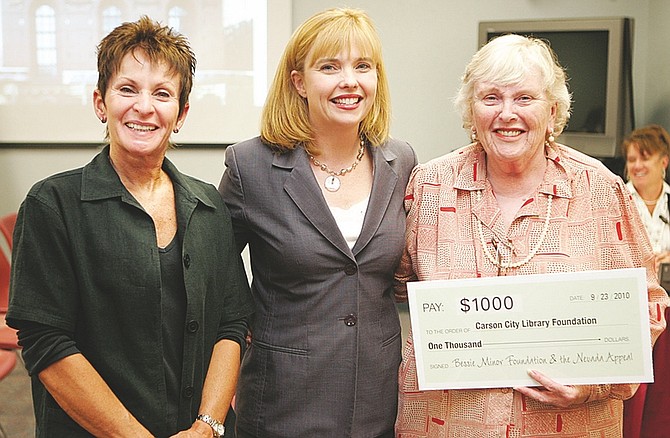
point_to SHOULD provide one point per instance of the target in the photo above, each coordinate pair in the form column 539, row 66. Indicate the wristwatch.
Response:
column 217, row 426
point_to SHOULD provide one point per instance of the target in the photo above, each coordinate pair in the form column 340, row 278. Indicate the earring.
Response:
column 103, row 119
column 176, row 130
column 473, row 135
column 550, row 139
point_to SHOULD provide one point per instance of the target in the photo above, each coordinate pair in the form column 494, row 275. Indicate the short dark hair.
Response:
column 160, row 43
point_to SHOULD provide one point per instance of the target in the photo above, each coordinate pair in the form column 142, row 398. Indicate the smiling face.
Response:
column 645, row 170
column 141, row 106
column 340, row 90
column 512, row 121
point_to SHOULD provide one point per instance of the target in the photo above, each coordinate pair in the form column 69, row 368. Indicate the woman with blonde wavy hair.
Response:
column 318, row 199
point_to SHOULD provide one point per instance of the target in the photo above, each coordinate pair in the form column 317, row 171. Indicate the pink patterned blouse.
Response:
column 593, row 226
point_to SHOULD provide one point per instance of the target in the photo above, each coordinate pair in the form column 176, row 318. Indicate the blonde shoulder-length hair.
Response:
column 285, row 118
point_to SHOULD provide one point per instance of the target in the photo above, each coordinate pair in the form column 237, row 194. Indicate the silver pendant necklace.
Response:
column 332, row 182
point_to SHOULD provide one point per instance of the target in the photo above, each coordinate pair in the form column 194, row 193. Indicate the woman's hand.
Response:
column 553, row 393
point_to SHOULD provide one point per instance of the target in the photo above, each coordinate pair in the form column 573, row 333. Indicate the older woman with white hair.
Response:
column 515, row 202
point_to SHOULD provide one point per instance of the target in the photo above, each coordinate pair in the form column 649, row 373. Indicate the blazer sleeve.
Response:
column 231, row 188
column 405, row 270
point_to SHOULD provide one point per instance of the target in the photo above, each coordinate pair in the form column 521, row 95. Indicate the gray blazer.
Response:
column 326, row 335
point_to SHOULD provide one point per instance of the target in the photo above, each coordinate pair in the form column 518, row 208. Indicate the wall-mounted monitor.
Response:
column 596, row 54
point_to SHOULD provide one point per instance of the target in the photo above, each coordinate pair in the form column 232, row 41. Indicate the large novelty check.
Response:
column 577, row 328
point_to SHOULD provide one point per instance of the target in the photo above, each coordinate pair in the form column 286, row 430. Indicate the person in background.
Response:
column 318, row 199
column 127, row 291
column 647, row 151
column 516, row 202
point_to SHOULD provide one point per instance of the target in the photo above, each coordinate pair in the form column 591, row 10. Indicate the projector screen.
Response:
column 48, row 66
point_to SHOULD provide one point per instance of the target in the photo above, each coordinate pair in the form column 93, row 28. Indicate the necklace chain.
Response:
column 650, row 203
column 324, row 167
column 531, row 254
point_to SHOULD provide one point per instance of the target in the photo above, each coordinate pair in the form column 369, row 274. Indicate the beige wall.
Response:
column 426, row 46
column 656, row 88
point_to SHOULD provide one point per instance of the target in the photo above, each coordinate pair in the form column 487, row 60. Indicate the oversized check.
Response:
column 577, row 328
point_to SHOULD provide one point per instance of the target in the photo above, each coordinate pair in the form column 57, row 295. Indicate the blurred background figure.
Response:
column 647, row 152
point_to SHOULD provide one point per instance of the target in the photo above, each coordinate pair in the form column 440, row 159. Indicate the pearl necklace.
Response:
column 649, row 203
column 652, row 202
column 531, row 254
column 332, row 183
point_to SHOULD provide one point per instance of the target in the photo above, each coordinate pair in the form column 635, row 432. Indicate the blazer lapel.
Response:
column 306, row 194
column 383, row 186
